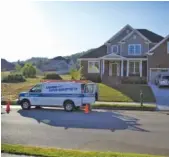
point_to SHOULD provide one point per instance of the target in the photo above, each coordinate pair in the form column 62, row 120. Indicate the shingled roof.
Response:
column 97, row 52
column 153, row 37
column 102, row 50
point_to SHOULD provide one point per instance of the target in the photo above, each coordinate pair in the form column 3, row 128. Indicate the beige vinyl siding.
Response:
column 138, row 40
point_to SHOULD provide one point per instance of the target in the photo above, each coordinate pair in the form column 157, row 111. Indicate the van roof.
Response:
column 73, row 81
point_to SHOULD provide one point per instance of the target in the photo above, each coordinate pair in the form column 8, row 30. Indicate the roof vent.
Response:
column 127, row 31
column 134, row 36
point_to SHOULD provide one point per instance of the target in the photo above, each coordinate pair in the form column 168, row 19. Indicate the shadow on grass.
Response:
column 94, row 120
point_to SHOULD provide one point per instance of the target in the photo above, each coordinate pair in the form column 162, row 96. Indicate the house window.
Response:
column 93, row 66
column 114, row 48
column 134, row 49
column 168, row 47
column 134, row 68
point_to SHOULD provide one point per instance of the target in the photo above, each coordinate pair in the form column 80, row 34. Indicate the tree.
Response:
column 18, row 67
column 76, row 74
column 29, row 70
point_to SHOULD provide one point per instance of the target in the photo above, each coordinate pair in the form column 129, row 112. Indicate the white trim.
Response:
column 119, row 33
column 94, row 62
column 141, row 68
column 127, row 68
column 134, row 49
column 103, row 66
column 120, row 58
column 110, row 69
column 113, row 47
column 136, row 31
column 157, row 45
column 122, row 67
column 112, row 54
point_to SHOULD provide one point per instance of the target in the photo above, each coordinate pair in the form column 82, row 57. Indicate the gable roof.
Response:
column 153, row 37
column 97, row 52
column 157, row 45
column 135, row 31
column 119, row 33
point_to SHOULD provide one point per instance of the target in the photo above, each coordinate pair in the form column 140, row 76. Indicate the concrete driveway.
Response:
column 122, row 131
column 162, row 97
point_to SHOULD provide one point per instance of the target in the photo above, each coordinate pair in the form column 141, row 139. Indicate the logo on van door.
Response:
column 60, row 88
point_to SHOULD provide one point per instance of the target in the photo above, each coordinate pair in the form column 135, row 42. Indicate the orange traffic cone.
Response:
column 8, row 107
column 86, row 110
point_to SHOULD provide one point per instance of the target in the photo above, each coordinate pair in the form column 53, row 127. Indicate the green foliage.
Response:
column 134, row 80
column 13, row 78
column 76, row 74
column 18, row 67
column 29, row 70
column 52, row 76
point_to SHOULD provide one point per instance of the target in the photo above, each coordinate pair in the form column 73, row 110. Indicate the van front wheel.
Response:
column 68, row 106
column 25, row 105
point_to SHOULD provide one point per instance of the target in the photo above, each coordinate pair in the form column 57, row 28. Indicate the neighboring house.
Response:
column 59, row 64
column 130, row 53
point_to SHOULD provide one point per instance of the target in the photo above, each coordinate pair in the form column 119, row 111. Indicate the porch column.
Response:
column 122, row 67
column 103, row 67
column 127, row 67
column 140, row 68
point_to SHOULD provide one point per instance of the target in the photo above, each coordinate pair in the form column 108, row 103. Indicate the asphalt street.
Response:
column 122, row 131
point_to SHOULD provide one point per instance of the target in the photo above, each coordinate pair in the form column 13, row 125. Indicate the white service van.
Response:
column 69, row 94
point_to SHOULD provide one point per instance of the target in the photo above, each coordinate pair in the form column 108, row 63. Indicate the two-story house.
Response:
column 130, row 53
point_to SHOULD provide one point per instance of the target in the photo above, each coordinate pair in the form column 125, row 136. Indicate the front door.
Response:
column 114, row 69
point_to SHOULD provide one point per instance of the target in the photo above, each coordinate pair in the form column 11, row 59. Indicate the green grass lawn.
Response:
column 120, row 93
column 53, row 152
column 125, row 93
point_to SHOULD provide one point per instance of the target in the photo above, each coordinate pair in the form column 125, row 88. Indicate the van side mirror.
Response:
column 30, row 90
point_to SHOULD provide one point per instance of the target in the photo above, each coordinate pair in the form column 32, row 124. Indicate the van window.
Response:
column 166, row 77
column 89, row 88
column 37, row 88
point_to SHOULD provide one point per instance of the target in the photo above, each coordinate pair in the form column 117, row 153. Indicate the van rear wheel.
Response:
column 68, row 106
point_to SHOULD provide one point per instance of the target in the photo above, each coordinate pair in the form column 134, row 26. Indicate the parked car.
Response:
column 162, row 80
column 157, row 79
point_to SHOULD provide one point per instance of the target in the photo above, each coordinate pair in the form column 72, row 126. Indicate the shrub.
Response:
column 76, row 74
column 134, row 80
column 13, row 78
column 29, row 70
column 52, row 76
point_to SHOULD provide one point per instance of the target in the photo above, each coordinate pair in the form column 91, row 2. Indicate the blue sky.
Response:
column 49, row 29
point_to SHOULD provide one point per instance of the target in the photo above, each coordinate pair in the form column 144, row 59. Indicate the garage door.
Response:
column 155, row 71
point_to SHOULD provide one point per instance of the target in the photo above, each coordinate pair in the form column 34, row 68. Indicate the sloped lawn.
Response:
column 125, row 93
